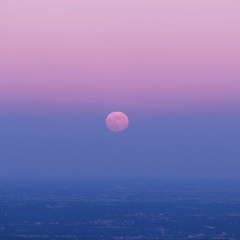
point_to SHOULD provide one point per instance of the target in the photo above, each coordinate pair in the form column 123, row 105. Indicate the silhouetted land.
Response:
column 111, row 208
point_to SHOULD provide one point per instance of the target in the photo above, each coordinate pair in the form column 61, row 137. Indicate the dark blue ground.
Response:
column 108, row 208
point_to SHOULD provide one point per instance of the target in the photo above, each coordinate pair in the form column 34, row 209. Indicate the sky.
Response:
column 172, row 66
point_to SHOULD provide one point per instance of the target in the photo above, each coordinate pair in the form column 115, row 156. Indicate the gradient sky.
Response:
column 172, row 66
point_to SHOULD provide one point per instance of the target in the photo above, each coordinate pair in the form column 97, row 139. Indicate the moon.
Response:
column 117, row 121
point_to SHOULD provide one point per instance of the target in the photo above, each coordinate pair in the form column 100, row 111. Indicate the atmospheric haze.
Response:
column 171, row 66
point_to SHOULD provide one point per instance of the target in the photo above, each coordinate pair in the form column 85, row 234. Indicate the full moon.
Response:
column 117, row 121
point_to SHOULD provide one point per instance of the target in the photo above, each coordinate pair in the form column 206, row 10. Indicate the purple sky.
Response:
column 172, row 66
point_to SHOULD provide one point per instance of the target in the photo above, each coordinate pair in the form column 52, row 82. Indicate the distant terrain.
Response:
column 112, row 208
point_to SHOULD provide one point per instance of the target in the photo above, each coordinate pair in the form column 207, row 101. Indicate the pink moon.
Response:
column 117, row 121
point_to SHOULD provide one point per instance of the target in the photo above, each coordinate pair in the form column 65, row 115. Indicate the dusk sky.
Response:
column 173, row 66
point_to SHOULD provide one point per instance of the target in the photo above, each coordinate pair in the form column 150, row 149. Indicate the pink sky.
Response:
column 164, row 54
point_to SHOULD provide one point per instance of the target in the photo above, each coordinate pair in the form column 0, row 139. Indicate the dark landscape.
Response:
column 119, row 208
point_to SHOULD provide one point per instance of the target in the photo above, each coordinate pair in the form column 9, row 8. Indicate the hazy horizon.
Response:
column 171, row 66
